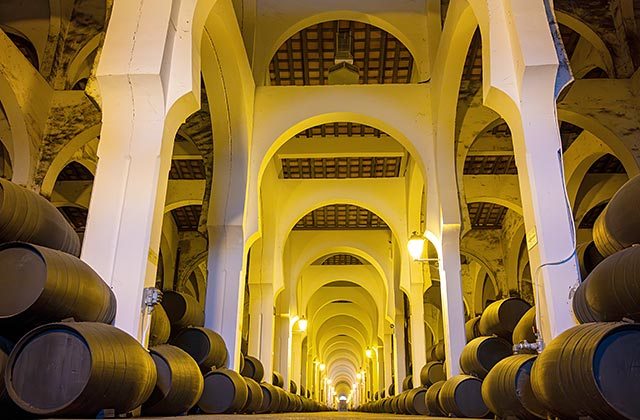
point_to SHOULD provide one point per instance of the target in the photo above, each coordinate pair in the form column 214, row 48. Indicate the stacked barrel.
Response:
column 194, row 372
column 60, row 355
column 67, row 358
column 591, row 370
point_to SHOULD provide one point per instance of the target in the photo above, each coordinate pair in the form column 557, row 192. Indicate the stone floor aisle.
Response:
column 305, row 416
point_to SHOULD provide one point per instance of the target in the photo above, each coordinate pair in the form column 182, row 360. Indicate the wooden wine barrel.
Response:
column 461, row 396
column 588, row 258
column 392, row 390
column 407, row 383
column 402, row 403
column 277, row 379
column 502, row 316
column 183, row 310
column 41, row 285
column 270, row 399
column 525, row 328
column 253, row 369
column 618, row 226
column 160, row 329
column 78, row 369
column 507, row 389
column 179, row 384
column 471, row 330
column 205, row 346
column 303, row 391
column 293, row 387
column 414, row 401
column 437, row 352
column 254, row 397
column 591, row 370
column 612, row 290
column 5, row 350
column 225, row 391
column 482, row 353
column 431, row 400
column 26, row 216
column 431, row 373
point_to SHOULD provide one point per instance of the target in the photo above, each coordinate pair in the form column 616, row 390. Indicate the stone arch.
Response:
column 64, row 156
column 19, row 150
column 590, row 35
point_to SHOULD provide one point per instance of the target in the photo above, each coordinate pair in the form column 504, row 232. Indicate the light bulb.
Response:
column 416, row 246
column 302, row 324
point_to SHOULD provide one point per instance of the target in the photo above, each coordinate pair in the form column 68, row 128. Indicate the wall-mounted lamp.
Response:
column 322, row 367
column 368, row 353
column 416, row 248
column 358, row 376
column 302, row 324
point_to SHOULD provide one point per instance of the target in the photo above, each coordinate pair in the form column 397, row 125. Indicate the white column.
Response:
column 451, row 296
column 401, row 357
column 388, row 363
column 284, row 349
column 225, row 287
column 525, row 78
column 133, row 158
column 296, row 358
column 261, row 326
column 418, row 354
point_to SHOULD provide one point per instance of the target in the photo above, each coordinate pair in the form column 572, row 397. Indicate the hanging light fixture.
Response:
column 302, row 324
column 416, row 246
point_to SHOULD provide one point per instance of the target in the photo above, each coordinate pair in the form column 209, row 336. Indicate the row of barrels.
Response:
column 611, row 290
column 82, row 368
column 43, row 279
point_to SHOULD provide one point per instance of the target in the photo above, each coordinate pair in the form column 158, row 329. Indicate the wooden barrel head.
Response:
column 51, row 371
column 254, row 397
column 223, row 392
column 617, row 373
column 194, row 342
column 468, row 399
column 24, row 274
column 431, row 373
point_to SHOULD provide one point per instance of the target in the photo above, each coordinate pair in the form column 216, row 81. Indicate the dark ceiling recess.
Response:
column 341, row 283
column 342, row 167
column 607, row 164
column 490, row 165
column 568, row 134
column 340, row 129
column 472, row 71
column 187, row 169
column 26, row 48
column 76, row 216
column 75, row 171
column 306, row 57
column 486, row 215
column 570, row 39
column 342, row 259
column 590, row 218
column 340, row 216
column 187, row 217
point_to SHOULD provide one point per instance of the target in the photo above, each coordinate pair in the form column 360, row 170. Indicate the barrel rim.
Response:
column 8, row 373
